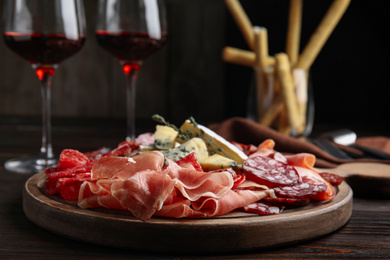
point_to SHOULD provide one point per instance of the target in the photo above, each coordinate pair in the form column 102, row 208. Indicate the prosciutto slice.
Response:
column 194, row 185
column 136, row 184
column 123, row 167
column 114, row 194
column 180, row 209
column 230, row 201
column 141, row 185
column 304, row 160
column 211, row 207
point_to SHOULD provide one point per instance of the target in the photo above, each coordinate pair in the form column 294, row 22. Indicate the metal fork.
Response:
column 328, row 146
column 347, row 137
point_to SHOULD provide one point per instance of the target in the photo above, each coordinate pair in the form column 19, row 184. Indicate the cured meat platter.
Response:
column 233, row 232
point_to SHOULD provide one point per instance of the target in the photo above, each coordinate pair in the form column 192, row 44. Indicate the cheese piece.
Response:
column 196, row 145
column 216, row 161
column 215, row 143
column 147, row 148
column 164, row 137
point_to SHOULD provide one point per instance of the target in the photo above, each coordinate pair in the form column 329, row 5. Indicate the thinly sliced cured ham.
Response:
column 180, row 209
column 212, row 207
column 266, row 149
column 251, row 185
column 230, row 201
column 304, row 160
column 141, row 185
column 93, row 193
column 138, row 184
column 267, row 144
column 124, row 167
column 144, row 193
column 194, row 184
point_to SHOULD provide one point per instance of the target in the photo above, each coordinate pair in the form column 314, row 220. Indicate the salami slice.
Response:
column 122, row 150
column 240, row 178
column 286, row 202
column 247, row 149
column 307, row 188
column 69, row 187
column 280, row 157
column 191, row 159
column 263, row 209
column 270, row 172
column 332, row 178
column 70, row 158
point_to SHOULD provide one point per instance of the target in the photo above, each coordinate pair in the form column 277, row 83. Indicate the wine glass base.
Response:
column 28, row 165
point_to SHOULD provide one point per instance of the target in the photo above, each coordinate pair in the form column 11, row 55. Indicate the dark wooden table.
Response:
column 365, row 236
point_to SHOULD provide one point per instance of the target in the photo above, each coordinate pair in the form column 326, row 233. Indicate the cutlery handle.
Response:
column 372, row 152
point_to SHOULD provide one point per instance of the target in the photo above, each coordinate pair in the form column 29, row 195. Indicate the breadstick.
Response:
column 243, row 57
column 261, row 46
column 264, row 90
column 294, row 30
column 272, row 112
column 240, row 57
column 259, row 73
column 322, row 33
column 287, row 90
column 283, row 125
column 242, row 20
column 300, row 78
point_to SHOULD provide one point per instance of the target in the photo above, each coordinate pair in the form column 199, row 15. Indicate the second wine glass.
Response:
column 131, row 30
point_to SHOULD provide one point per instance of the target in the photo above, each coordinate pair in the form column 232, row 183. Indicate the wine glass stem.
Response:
column 45, row 76
column 131, row 72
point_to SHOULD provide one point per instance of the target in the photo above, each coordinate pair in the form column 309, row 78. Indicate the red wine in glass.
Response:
column 43, row 32
column 43, row 49
column 131, row 31
column 128, row 46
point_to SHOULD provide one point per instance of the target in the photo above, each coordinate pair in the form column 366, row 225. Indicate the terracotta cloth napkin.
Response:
column 248, row 132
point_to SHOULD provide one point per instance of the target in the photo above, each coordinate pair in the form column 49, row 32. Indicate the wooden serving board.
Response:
column 230, row 233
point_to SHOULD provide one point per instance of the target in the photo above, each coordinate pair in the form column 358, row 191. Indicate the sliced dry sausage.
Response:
column 332, row 178
column 263, row 209
column 306, row 188
column 270, row 172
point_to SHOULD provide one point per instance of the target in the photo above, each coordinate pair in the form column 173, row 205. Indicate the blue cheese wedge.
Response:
column 196, row 145
column 216, row 161
column 164, row 137
column 216, row 144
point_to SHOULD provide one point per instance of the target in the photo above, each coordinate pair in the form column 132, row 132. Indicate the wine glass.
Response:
column 44, row 32
column 131, row 30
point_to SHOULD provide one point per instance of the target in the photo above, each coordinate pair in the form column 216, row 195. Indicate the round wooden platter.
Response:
column 230, row 233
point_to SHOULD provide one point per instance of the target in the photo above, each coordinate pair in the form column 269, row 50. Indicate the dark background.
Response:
column 188, row 77
column 350, row 74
